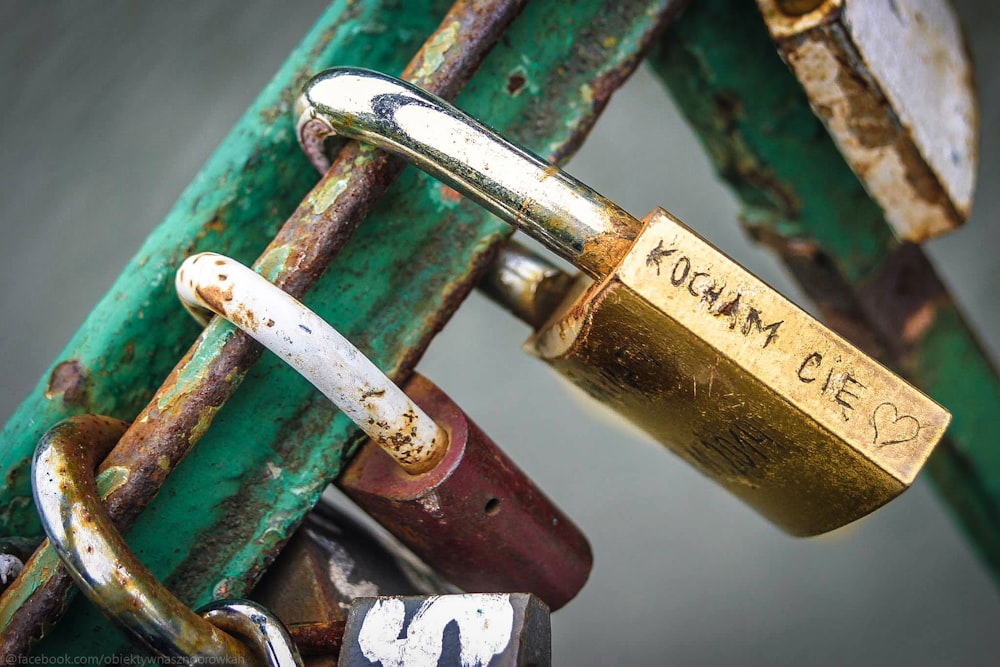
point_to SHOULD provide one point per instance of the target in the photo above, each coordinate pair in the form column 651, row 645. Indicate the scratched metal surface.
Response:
column 684, row 574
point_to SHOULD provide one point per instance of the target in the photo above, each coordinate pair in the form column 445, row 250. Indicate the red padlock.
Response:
column 475, row 517
column 429, row 474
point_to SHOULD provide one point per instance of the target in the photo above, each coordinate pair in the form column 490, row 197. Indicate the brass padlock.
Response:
column 681, row 339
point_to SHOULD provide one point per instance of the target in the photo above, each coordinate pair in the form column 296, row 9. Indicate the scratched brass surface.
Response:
column 741, row 383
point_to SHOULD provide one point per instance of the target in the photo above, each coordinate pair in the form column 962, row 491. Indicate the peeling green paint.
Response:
column 435, row 49
column 213, row 339
column 111, row 479
column 36, row 570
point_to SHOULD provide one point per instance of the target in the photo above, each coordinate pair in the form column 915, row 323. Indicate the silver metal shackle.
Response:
column 526, row 284
column 258, row 626
column 98, row 558
column 565, row 215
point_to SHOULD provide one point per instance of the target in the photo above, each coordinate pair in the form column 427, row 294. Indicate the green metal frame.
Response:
column 225, row 508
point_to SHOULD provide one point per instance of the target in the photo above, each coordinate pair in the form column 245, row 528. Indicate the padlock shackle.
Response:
column 526, row 284
column 548, row 204
column 258, row 627
column 96, row 555
column 208, row 283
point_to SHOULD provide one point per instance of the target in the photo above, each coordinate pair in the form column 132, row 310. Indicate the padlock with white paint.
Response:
column 892, row 82
column 472, row 630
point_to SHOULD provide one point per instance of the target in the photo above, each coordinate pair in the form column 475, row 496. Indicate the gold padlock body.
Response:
column 741, row 383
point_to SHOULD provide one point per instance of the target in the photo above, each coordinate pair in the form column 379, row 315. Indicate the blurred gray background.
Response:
column 684, row 574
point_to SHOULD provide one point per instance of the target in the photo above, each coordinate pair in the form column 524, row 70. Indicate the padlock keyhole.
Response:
column 492, row 506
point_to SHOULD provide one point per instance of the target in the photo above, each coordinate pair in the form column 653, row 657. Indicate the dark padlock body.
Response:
column 475, row 518
column 332, row 559
column 493, row 629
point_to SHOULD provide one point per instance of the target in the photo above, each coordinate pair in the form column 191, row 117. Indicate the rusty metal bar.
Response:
column 319, row 638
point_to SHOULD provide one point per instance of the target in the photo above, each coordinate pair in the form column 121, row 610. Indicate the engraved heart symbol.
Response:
column 891, row 428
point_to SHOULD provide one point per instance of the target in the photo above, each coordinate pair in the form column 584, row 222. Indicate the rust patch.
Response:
column 728, row 106
column 874, row 133
column 243, row 317
column 817, row 274
column 216, row 225
column 926, row 184
column 214, row 296
column 602, row 253
column 450, row 195
column 872, row 122
column 128, row 353
column 12, row 476
column 522, row 212
column 320, row 638
column 69, row 380
column 903, row 300
column 798, row 7
column 515, row 82
column 867, row 118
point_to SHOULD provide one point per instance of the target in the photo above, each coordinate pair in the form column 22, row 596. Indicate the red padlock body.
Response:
column 475, row 518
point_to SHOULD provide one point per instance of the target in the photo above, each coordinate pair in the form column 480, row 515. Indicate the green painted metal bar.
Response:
column 135, row 334
column 225, row 510
column 801, row 199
